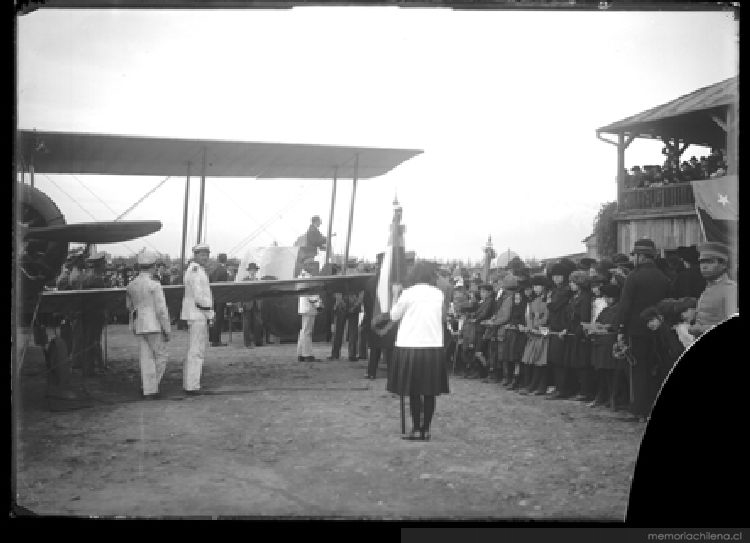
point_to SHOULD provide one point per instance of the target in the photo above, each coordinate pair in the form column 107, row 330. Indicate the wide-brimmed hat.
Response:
column 510, row 282
column 558, row 269
column 610, row 291
column 586, row 262
column 644, row 246
column 619, row 259
column 580, row 278
column 714, row 249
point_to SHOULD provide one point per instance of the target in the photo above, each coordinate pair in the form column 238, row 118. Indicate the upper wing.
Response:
column 113, row 299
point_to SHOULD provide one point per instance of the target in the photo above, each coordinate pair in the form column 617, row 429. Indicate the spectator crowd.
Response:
column 673, row 171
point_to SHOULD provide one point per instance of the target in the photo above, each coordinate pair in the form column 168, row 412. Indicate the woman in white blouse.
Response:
column 418, row 368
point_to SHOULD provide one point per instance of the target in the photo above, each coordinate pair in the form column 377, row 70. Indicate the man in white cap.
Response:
column 197, row 310
column 149, row 321
column 308, row 308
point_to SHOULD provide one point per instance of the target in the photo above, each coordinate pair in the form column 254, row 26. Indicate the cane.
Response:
column 403, row 416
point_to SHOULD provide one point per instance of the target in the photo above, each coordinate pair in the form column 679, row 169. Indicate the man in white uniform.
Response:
column 149, row 321
column 308, row 308
column 197, row 310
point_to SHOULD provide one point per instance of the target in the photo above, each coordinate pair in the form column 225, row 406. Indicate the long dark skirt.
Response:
column 418, row 371
column 601, row 351
column 516, row 344
column 577, row 352
column 555, row 350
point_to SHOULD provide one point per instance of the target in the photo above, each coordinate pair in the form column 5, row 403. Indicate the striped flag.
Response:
column 392, row 268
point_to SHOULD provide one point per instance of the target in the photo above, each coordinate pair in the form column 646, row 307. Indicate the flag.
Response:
column 392, row 269
column 717, row 206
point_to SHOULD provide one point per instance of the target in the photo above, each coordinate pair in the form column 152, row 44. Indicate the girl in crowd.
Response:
column 660, row 319
column 576, row 360
column 534, row 356
column 602, row 336
column 418, row 368
column 516, row 338
column 685, row 307
column 557, row 300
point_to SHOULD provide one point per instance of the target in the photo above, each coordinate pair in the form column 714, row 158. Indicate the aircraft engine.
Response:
column 39, row 260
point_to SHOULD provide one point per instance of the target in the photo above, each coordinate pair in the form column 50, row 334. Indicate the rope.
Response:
column 131, row 208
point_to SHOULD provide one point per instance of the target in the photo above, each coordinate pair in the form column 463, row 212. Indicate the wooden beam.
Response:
column 720, row 122
column 629, row 140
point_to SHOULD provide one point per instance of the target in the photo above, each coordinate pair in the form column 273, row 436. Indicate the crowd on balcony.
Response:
column 673, row 171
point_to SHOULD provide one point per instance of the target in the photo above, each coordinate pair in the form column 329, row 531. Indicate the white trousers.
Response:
column 304, row 342
column 153, row 361
column 198, row 341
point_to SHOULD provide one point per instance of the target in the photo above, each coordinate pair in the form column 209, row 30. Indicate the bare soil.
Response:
column 280, row 438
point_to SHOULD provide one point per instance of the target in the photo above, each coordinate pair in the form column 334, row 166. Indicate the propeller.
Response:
column 93, row 232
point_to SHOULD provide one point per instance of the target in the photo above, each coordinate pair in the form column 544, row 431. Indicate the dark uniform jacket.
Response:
column 314, row 237
column 559, row 298
column 644, row 286
column 689, row 282
column 219, row 274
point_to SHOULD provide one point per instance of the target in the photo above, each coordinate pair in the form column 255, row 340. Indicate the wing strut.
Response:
column 184, row 220
column 330, row 215
column 351, row 213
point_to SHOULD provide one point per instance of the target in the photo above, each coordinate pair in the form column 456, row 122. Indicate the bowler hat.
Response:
column 252, row 266
column 644, row 246
column 714, row 249
column 688, row 254
column 619, row 259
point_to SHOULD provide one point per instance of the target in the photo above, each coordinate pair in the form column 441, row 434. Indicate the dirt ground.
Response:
column 280, row 438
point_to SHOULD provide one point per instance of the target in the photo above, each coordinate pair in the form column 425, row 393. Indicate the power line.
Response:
column 84, row 209
column 107, row 206
column 276, row 217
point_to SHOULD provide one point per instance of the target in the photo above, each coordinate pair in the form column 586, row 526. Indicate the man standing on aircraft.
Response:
column 312, row 240
column 149, row 321
column 218, row 274
column 197, row 310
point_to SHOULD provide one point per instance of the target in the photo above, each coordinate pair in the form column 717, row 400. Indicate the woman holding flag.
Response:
column 418, row 368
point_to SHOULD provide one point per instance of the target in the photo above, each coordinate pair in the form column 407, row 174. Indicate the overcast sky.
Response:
column 504, row 104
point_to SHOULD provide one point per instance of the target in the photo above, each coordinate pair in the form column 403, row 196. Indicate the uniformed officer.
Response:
column 93, row 318
column 308, row 308
column 197, row 310
column 645, row 286
column 149, row 321
column 719, row 301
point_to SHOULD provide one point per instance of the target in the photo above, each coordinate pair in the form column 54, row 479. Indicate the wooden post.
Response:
column 202, row 198
column 620, row 166
column 184, row 220
column 351, row 213
column 330, row 215
column 732, row 140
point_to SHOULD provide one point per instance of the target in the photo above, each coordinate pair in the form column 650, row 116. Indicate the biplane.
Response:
column 42, row 235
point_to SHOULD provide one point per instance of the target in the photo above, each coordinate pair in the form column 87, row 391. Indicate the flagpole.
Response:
column 700, row 221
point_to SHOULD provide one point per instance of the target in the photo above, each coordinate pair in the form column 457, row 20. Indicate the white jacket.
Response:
column 197, row 303
column 308, row 305
column 145, row 298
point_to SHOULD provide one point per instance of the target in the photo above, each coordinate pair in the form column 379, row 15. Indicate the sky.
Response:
column 504, row 104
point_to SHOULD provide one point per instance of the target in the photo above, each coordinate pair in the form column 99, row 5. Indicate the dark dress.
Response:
column 601, row 344
column 556, row 322
column 577, row 311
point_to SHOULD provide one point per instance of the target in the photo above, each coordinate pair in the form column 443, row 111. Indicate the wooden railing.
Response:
column 656, row 197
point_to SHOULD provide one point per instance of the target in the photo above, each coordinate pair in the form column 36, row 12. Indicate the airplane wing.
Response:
column 114, row 154
column 94, row 232
column 113, row 299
